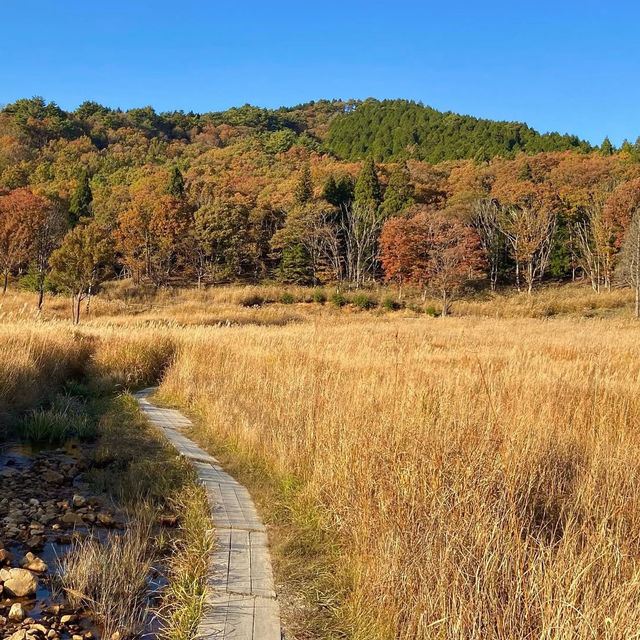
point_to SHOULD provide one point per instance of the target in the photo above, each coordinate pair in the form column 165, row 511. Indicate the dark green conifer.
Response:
column 525, row 174
column 81, row 198
column 176, row 183
column 330, row 191
column 606, row 148
column 304, row 188
column 367, row 189
column 399, row 193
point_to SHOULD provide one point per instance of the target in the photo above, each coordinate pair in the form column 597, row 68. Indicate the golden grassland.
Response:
column 478, row 474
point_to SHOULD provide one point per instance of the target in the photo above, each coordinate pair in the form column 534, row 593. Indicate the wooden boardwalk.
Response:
column 241, row 600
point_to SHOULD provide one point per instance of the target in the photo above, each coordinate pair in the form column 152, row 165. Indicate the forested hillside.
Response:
column 398, row 129
column 301, row 195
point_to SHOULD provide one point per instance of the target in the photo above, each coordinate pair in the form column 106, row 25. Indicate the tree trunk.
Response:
column 89, row 300
column 40, row 297
column 637, row 301
column 445, row 302
column 78, row 307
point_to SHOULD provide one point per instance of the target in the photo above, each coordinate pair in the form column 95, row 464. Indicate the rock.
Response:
column 79, row 501
column 53, row 609
column 19, row 582
column 33, row 563
column 105, row 519
column 114, row 636
column 72, row 518
column 17, row 612
column 35, row 542
column 38, row 627
column 66, row 619
column 53, row 477
column 20, row 634
column 75, row 637
column 5, row 557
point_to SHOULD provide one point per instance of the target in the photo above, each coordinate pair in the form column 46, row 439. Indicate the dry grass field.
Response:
column 479, row 475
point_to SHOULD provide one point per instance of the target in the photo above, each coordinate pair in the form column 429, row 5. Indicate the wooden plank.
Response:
column 239, row 575
column 266, row 620
column 262, row 583
column 241, row 603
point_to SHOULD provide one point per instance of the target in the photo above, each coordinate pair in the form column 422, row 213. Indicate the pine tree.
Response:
column 345, row 190
column 525, row 174
column 367, row 189
column 330, row 191
column 606, row 148
column 81, row 198
column 176, row 184
column 626, row 146
column 399, row 193
column 295, row 266
column 303, row 192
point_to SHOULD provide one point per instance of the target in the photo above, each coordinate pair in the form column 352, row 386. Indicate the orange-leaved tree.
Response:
column 434, row 251
column 29, row 230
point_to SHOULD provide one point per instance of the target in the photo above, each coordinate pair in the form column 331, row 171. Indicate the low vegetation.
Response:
column 423, row 477
column 110, row 579
column 467, row 467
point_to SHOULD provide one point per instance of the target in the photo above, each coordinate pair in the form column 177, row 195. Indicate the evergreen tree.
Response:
column 295, row 267
column 606, row 148
column 176, row 184
column 330, row 191
column 345, row 190
column 627, row 147
column 81, row 198
column 303, row 192
column 399, row 193
column 635, row 151
column 525, row 174
column 367, row 189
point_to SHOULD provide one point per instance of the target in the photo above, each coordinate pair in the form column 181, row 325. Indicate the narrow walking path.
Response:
column 241, row 601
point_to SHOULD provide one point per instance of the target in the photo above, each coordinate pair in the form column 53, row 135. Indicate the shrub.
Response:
column 66, row 418
column 252, row 300
column 391, row 304
column 430, row 310
column 319, row 296
column 364, row 301
column 338, row 299
column 287, row 298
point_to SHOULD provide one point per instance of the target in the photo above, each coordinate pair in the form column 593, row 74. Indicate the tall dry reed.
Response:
column 482, row 475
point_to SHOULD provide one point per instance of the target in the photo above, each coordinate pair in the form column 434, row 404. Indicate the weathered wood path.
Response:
column 241, row 600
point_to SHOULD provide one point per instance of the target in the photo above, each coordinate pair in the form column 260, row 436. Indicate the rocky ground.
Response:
column 44, row 504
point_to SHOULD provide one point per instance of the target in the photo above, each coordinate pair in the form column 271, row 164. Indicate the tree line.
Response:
column 224, row 202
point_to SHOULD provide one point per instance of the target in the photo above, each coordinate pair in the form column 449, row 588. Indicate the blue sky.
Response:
column 566, row 66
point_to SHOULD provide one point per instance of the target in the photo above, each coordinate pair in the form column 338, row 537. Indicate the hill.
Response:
column 399, row 129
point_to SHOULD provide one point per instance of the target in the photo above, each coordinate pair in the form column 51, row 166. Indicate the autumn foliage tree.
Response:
column 433, row 251
column 82, row 262
column 628, row 270
column 30, row 229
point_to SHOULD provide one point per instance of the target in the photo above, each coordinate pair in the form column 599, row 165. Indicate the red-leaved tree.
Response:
column 433, row 251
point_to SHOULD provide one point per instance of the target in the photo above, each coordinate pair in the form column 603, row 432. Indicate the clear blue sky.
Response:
column 567, row 66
